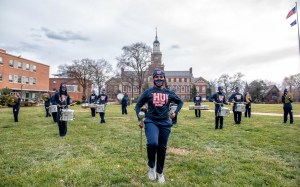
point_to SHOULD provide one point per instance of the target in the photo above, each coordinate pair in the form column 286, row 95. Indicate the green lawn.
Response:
column 259, row 152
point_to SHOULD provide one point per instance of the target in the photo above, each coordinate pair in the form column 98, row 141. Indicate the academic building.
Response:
column 27, row 77
column 180, row 81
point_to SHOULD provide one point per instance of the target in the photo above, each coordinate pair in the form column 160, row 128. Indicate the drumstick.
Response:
column 141, row 142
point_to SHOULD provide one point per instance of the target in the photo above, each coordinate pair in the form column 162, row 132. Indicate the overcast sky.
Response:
column 214, row 37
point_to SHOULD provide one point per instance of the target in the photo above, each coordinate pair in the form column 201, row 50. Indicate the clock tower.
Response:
column 156, row 56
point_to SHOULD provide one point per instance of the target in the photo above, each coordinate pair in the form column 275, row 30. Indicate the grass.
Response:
column 259, row 152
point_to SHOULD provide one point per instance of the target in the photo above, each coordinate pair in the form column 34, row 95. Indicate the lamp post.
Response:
column 22, row 91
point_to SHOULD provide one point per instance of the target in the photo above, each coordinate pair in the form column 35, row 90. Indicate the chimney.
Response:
column 191, row 70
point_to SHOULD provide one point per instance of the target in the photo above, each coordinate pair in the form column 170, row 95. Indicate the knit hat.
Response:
column 158, row 71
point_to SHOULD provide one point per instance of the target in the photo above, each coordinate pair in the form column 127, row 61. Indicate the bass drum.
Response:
column 120, row 96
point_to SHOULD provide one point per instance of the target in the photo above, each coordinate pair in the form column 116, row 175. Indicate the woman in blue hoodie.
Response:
column 62, row 100
column 157, row 122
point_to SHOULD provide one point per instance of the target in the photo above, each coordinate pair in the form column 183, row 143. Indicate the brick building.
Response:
column 74, row 89
column 27, row 77
column 181, row 81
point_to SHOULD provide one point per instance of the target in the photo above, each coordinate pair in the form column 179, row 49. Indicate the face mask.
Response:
column 63, row 89
column 159, row 83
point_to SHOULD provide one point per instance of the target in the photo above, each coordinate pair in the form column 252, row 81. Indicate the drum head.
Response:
column 120, row 96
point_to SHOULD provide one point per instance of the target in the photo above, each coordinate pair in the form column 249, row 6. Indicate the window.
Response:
column 177, row 89
column 26, row 80
column 203, row 89
column 27, row 67
column 30, row 80
column 11, row 63
column 124, row 88
column 11, row 78
column 15, row 78
column 34, row 68
column 134, row 89
column 19, row 79
column 20, row 65
column 179, row 80
column 182, row 89
column 188, row 89
column 129, row 89
column 33, row 96
column 33, row 80
column 1, row 60
column 54, row 82
column 1, row 77
column 72, row 88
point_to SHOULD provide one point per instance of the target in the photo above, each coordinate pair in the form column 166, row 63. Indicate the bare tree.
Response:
column 136, row 58
column 230, row 83
column 212, row 84
column 101, row 70
column 293, row 83
column 81, row 71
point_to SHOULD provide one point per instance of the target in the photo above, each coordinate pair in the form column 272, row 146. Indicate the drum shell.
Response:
column 84, row 105
column 100, row 108
column 240, row 108
column 52, row 108
column 67, row 115
column 92, row 105
column 204, row 107
column 191, row 107
column 224, row 111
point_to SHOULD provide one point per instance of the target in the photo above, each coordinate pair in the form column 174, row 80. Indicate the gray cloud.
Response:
column 63, row 35
column 175, row 46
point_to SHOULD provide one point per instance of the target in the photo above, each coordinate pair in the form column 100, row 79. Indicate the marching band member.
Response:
column 124, row 103
column 197, row 102
column 235, row 98
column 53, row 102
column 287, row 99
column 157, row 122
column 219, row 99
column 47, row 104
column 102, row 99
column 248, row 101
column 63, row 100
column 16, row 108
column 93, row 100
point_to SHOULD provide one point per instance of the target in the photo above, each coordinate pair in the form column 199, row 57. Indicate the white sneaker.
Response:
column 161, row 178
column 152, row 174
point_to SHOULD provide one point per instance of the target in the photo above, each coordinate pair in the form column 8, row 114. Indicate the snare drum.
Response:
column 203, row 107
column 93, row 105
column 240, row 107
column 224, row 111
column 191, row 107
column 84, row 105
column 53, row 108
column 197, row 107
column 67, row 115
column 100, row 108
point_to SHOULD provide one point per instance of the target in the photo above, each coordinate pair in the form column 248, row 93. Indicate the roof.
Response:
column 266, row 92
column 178, row 74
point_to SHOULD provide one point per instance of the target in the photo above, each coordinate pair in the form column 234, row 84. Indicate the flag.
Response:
column 291, row 12
column 293, row 23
